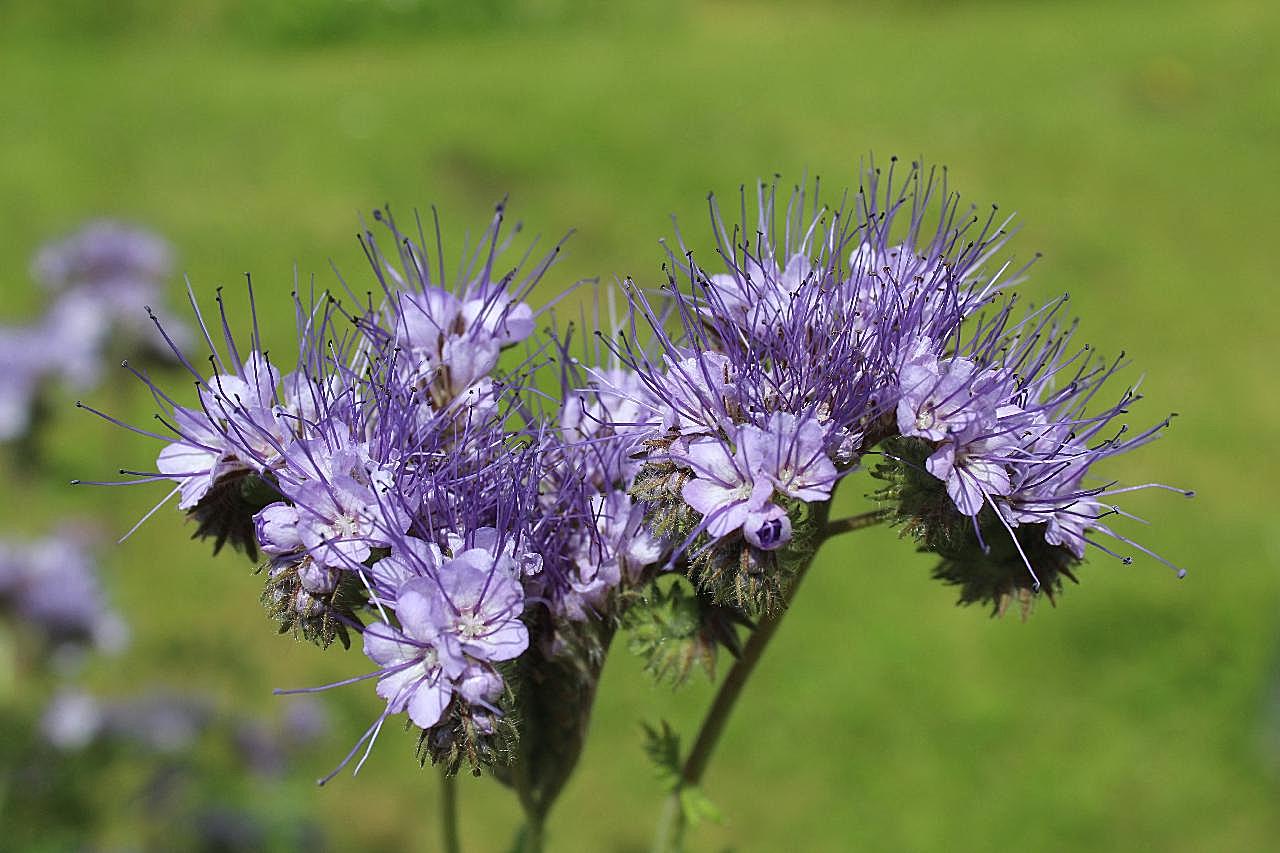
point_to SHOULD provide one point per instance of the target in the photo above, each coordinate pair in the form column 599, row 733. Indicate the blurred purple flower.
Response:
column 51, row 586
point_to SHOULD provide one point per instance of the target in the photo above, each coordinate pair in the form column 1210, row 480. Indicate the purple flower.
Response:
column 733, row 488
column 339, row 523
column 769, row 529
column 757, row 296
column 697, row 393
column 416, row 677
column 25, row 368
column 791, row 452
column 725, row 489
column 243, row 424
column 614, row 402
column 936, row 397
column 452, row 624
column 447, row 339
column 792, row 328
column 107, row 276
column 619, row 549
column 72, row 720
column 1023, row 442
column 479, row 605
column 74, row 333
column 974, row 470
column 410, row 558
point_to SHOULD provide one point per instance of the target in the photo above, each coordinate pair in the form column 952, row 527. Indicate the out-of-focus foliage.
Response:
column 300, row 23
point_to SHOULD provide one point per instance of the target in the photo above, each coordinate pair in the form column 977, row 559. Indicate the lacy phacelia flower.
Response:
column 447, row 341
column 394, row 480
column 862, row 323
column 103, row 279
column 100, row 252
column 452, row 343
column 590, row 531
column 452, row 624
column 22, row 354
column 239, row 427
column 106, row 276
column 341, row 505
column 454, row 619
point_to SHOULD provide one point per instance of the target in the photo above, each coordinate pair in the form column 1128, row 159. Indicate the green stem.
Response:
column 531, row 835
column 449, row 814
column 670, row 837
column 856, row 522
column 671, row 825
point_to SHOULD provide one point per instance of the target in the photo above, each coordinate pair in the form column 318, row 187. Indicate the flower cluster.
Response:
column 837, row 333
column 100, row 278
column 1009, row 426
column 485, row 508
column 399, row 484
column 65, row 745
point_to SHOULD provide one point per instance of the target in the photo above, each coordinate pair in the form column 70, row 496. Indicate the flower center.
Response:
column 346, row 526
column 470, row 625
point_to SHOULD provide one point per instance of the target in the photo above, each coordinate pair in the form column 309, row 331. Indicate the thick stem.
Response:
column 449, row 814
column 530, row 837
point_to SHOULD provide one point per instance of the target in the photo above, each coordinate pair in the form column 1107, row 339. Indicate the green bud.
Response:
column 463, row 738
column 676, row 630
column 318, row 619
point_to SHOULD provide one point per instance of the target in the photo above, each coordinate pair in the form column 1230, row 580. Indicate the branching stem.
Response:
column 671, row 826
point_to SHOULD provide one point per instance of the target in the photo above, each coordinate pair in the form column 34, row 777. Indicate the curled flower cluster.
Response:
column 838, row 333
column 415, row 478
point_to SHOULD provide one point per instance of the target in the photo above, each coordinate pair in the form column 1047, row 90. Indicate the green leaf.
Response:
column 662, row 745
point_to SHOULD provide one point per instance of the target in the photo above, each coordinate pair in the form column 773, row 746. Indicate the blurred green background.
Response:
column 1140, row 144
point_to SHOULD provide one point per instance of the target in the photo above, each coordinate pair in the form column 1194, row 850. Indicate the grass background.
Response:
column 1141, row 143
